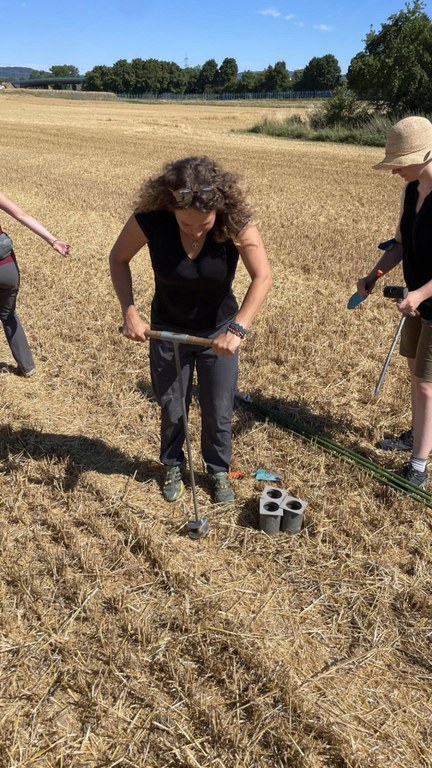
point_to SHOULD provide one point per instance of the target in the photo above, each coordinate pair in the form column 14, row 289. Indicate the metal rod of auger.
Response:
column 186, row 426
column 388, row 358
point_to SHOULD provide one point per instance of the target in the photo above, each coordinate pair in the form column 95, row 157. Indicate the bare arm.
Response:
column 130, row 240
column 253, row 255
column 35, row 226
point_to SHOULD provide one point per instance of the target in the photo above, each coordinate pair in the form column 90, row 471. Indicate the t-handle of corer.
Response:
column 397, row 293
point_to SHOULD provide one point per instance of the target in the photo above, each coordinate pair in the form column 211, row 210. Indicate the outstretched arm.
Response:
column 35, row 226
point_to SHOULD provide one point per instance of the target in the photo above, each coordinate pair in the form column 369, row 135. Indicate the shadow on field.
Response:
column 296, row 411
column 80, row 453
column 295, row 415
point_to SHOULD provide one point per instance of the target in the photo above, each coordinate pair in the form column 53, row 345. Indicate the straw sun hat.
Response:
column 409, row 142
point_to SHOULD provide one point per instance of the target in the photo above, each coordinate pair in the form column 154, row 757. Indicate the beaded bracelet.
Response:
column 237, row 329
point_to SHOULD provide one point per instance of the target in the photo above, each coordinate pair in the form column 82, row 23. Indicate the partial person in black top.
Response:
column 409, row 155
column 196, row 223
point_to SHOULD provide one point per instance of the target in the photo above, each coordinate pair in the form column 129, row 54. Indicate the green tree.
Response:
column 249, row 81
column 57, row 70
column 97, row 79
column 175, row 77
column 296, row 77
column 395, row 68
column 227, row 75
column 38, row 73
column 322, row 73
column 64, row 70
column 276, row 78
column 138, row 69
column 155, row 76
column 207, row 76
column 191, row 78
column 121, row 78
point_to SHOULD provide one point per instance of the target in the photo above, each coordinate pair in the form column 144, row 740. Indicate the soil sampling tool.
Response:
column 199, row 527
column 357, row 298
column 397, row 293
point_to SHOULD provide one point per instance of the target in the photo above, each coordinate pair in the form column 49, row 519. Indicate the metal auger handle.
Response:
column 179, row 338
column 398, row 293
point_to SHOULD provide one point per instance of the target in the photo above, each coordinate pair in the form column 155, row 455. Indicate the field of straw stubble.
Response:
column 123, row 642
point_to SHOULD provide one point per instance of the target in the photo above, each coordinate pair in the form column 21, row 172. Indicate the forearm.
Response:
column 253, row 300
column 390, row 259
column 425, row 292
column 121, row 278
column 36, row 227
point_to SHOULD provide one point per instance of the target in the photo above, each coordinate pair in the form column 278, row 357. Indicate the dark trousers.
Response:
column 14, row 332
column 217, row 380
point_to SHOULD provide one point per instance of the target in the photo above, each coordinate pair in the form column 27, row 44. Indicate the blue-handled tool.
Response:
column 357, row 298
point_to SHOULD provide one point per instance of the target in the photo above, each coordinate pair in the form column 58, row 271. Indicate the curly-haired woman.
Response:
column 10, row 280
column 196, row 222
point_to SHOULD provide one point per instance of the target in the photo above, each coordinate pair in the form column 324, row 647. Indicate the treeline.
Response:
column 390, row 79
column 57, row 70
column 394, row 71
column 154, row 76
column 392, row 74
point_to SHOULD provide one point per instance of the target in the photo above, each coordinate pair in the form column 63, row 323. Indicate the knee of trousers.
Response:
column 7, row 315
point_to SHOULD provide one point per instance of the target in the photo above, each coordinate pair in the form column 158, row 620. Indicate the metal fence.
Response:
column 294, row 95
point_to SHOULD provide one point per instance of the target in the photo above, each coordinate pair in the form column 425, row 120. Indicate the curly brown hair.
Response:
column 195, row 173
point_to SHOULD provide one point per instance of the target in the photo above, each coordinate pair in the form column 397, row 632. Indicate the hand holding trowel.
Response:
column 357, row 297
column 369, row 285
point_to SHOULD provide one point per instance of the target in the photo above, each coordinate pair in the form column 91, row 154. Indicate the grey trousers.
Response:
column 217, row 380
column 14, row 332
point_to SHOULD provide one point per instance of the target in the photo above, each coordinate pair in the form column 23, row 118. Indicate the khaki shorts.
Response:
column 416, row 343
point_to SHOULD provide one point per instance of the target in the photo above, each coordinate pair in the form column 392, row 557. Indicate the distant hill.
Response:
column 15, row 73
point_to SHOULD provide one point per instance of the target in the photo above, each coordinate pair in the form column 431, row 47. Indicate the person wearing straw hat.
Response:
column 10, row 281
column 408, row 154
column 197, row 224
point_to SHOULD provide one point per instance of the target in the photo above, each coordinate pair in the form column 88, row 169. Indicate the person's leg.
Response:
column 167, row 392
column 14, row 332
column 423, row 419
column 415, row 469
column 423, row 394
column 217, row 379
column 411, row 366
column 408, row 348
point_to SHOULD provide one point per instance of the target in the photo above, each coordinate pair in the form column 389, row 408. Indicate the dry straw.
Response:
column 123, row 643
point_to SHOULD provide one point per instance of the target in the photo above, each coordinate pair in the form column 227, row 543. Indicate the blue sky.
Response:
column 40, row 33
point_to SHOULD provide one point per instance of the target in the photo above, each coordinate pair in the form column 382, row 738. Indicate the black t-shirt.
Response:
column 190, row 295
column 416, row 231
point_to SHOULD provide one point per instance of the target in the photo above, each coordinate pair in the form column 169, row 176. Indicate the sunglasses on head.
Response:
column 184, row 196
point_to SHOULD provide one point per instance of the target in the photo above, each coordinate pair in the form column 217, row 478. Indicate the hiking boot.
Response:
column 402, row 442
column 222, row 490
column 413, row 476
column 172, row 482
column 26, row 374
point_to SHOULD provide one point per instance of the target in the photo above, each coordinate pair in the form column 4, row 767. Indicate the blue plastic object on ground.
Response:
column 267, row 474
